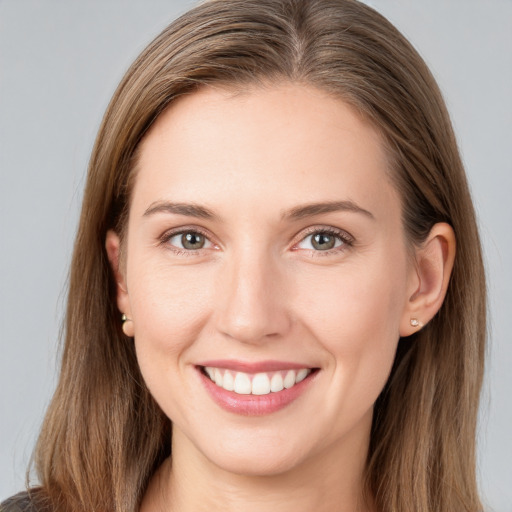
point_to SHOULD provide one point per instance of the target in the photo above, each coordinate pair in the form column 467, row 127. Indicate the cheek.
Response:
column 356, row 316
column 353, row 303
column 169, row 306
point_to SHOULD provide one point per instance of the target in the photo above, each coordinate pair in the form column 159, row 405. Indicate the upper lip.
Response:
column 253, row 367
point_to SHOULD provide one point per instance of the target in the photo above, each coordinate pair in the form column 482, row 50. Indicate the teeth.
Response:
column 289, row 380
column 258, row 384
column 276, row 384
column 218, row 377
column 229, row 382
column 242, row 384
column 301, row 375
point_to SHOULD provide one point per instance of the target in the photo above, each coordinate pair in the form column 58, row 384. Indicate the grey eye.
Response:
column 190, row 241
column 321, row 241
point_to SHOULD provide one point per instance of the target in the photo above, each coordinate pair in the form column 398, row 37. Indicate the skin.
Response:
column 259, row 290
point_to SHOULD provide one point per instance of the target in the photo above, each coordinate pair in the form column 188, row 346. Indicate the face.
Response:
column 266, row 274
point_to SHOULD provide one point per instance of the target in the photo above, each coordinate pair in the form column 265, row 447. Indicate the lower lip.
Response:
column 254, row 405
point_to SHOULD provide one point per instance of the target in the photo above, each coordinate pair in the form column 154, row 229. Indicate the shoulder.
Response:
column 22, row 502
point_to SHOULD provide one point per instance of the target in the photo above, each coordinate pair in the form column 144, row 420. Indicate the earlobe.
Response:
column 434, row 263
column 113, row 248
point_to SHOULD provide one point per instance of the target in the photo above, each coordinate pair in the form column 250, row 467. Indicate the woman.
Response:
column 277, row 278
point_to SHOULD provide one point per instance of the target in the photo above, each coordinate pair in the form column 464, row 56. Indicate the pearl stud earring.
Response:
column 127, row 324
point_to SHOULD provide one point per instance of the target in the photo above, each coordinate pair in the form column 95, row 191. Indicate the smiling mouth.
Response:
column 262, row 383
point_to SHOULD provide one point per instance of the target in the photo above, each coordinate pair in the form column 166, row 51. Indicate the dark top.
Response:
column 21, row 502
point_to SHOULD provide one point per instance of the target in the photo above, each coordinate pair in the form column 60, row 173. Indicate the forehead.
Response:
column 279, row 145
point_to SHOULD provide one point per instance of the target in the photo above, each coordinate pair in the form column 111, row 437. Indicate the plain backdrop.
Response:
column 60, row 61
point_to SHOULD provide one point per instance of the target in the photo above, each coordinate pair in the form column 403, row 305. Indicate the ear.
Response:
column 429, row 278
column 113, row 248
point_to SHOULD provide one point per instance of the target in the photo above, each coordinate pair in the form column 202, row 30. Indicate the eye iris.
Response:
column 192, row 241
column 323, row 241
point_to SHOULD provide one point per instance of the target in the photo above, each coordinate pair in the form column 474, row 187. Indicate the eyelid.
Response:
column 170, row 233
column 347, row 239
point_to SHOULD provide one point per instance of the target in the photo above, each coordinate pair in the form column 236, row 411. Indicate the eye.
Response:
column 188, row 241
column 324, row 240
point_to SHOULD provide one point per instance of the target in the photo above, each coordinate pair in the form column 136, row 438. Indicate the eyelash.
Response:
column 168, row 235
column 347, row 240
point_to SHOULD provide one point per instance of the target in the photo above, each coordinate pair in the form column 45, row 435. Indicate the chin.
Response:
column 257, row 466
column 256, row 460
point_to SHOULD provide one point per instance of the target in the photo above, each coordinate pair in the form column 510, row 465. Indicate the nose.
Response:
column 252, row 304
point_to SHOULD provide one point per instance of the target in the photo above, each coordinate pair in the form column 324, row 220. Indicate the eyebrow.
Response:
column 187, row 209
column 309, row 210
column 296, row 213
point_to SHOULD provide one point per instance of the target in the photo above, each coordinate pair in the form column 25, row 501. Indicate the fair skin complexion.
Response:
column 248, row 271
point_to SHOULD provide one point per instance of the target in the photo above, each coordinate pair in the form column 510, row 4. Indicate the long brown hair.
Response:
column 104, row 436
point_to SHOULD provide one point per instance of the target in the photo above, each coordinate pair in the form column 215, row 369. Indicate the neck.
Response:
column 331, row 481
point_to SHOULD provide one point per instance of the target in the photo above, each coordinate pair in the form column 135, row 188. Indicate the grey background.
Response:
column 59, row 64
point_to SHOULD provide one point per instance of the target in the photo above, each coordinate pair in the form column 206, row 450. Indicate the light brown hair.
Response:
column 103, row 435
